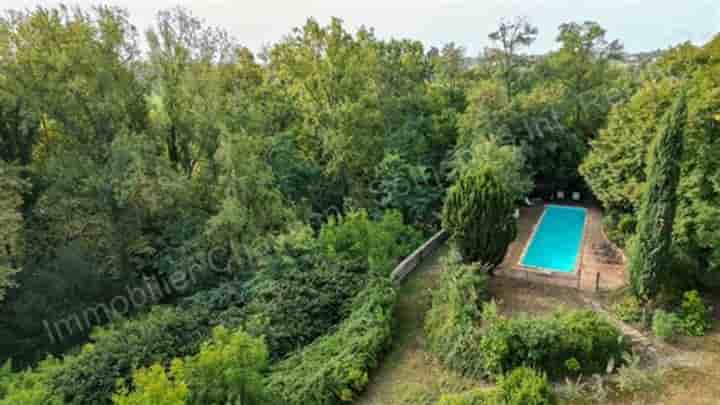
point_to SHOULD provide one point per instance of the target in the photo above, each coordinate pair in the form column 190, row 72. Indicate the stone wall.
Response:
column 411, row 262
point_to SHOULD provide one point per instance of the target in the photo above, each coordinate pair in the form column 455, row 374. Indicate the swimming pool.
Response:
column 556, row 242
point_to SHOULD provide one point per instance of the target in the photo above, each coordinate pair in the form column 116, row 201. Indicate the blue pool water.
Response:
column 556, row 243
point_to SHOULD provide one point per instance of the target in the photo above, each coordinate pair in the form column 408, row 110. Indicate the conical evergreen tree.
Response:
column 478, row 214
column 650, row 257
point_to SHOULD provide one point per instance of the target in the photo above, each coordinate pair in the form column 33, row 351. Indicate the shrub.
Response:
column 694, row 314
column 478, row 214
column 29, row 387
column 629, row 309
column 299, row 292
column 579, row 391
column 155, row 386
column 6, row 377
column 631, row 377
column 334, row 368
column 89, row 377
column 506, row 161
column 453, row 322
column 566, row 343
column 417, row 393
column 407, row 187
column 295, row 306
column 375, row 246
column 665, row 325
column 305, row 284
column 228, row 369
column 524, row 386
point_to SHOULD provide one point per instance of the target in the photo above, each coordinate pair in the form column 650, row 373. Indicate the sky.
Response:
column 641, row 25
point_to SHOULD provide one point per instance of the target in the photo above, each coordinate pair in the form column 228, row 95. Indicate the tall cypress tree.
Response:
column 478, row 215
column 651, row 256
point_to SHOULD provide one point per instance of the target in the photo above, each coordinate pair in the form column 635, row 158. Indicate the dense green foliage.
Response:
column 155, row 386
column 32, row 388
column 89, row 377
column 478, row 215
column 566, row 343
column 452, row 324
column 11, row 224
column 372, row 245
column 273, row 194
column 228, row 369
column 506, row 162
column 190, row 159
column 650, row 255
column 524, row 386
column 335, row 368
column 694, row 314
column 629, row 309
column 553, row 106
column 616, row 167
column 305, row 283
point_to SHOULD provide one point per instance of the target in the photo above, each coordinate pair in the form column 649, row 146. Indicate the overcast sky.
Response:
column 640, row 24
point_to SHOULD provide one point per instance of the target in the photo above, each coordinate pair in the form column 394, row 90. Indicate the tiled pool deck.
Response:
column 597, row 255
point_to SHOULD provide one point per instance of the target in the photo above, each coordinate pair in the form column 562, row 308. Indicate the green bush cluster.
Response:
column 522, row 386
column 374, row 245
column 628, row 309
column 334, row 368
column 566, row 343
column 306, row 283
column 633, row 376
column 228, row 369
column 695, row 314
column 165, row 333
column 89, row 377
column 452, row 325
column 666, row 325
column 28, row 387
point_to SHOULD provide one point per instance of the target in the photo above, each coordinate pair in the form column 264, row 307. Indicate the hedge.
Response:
column 334, row 368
